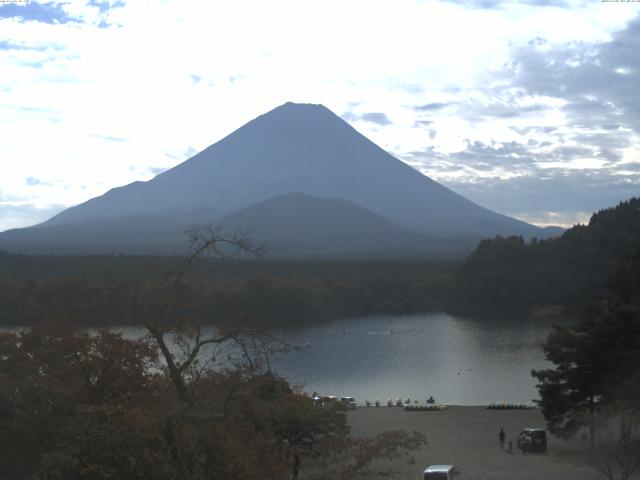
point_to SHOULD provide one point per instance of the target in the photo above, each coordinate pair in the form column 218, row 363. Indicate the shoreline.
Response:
column 467, row 437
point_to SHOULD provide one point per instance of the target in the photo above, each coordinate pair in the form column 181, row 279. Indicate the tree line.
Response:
column 501, row 273
column 171, row 405
column 595, row 380
column 569, row 270
column 41, row 288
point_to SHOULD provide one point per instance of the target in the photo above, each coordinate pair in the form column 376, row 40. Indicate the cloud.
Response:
column 556, row 129
column 508, row 178
column 509, row 111
column 378, row 118
column 49, row 12
column 61, row 12
column 79, row 109
column 578, row 190
column 13, row 45
column 491, row 158
column 567, row 194
column 529, row 180
column 496, row 4
column 588, row 77
column 109, row 138
column 349, row 116
column 17, row 216
column 105, row 5
column 565, row 219
column 427, row 107
column 32, row 182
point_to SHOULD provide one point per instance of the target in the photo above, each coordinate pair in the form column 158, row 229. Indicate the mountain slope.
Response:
column 135, row 234
column 291, row 225
column 576, row 267
column 297, row 224
column 139, row 234
column 301, row 148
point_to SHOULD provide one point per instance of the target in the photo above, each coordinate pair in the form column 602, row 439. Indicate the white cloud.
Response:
column 565, row 219
column 580, row 164
column 108, row 99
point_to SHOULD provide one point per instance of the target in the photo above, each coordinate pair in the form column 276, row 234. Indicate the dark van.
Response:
column 536, row 440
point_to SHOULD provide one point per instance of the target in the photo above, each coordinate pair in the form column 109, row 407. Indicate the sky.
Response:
column 529, row 108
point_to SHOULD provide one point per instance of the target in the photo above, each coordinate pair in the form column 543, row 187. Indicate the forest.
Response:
column 594, row 384
column 171, row 405
column 569, row 270
column 79, row 289
column 76, row 405
column 501, row 274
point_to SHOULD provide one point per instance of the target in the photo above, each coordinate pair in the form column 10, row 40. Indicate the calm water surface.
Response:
column 457, row 360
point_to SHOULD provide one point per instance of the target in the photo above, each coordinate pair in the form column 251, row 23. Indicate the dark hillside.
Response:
column 35, row 289
column 574, row 268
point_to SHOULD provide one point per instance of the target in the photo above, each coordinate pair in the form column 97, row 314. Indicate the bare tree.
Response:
column 170, row 318
column 345, row 458
column 616, row 460
column 617, row 453
column 213, row 395
column 166, row 307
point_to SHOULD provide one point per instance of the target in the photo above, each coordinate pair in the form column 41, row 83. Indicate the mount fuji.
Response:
column 298, row 177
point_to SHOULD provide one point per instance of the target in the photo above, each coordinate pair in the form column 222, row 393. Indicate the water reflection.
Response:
column 457, row 360
column 462, row 361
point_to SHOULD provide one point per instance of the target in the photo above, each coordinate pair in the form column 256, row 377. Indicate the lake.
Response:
column 458, row 361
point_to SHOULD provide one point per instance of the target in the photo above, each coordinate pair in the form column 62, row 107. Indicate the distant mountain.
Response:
column 552, row 231
column 291, row 225
column 294, row 148
column 296, row 224
column 131, row 234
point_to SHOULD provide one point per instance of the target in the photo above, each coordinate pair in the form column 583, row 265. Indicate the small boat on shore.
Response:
column 425, row 408
column 508, row 406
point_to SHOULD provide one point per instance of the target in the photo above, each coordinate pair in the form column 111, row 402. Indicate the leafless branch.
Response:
column 621, row 458
column 204, row 240
column 211, row 239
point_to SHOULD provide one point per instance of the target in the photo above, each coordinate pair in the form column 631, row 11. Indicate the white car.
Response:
column 350, row 402
column 440, row 472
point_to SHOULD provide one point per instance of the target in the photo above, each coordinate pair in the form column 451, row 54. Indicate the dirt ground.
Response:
column 467, row 437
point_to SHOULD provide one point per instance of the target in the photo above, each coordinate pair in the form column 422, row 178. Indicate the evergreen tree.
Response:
column 597, row 368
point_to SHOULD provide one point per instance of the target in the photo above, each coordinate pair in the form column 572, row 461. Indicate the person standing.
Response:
column 524, row 442
column 501, row 436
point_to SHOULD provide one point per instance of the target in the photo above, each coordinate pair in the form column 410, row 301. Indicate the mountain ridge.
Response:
column 293, row 225
column 305, row 148
column 296, row 223
column 302, row 148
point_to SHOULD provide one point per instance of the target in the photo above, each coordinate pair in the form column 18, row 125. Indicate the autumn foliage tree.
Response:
column 81, row 406
column 64, row 395
column 183, row 402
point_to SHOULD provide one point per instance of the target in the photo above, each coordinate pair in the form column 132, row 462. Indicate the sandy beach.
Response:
column 467, row 437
